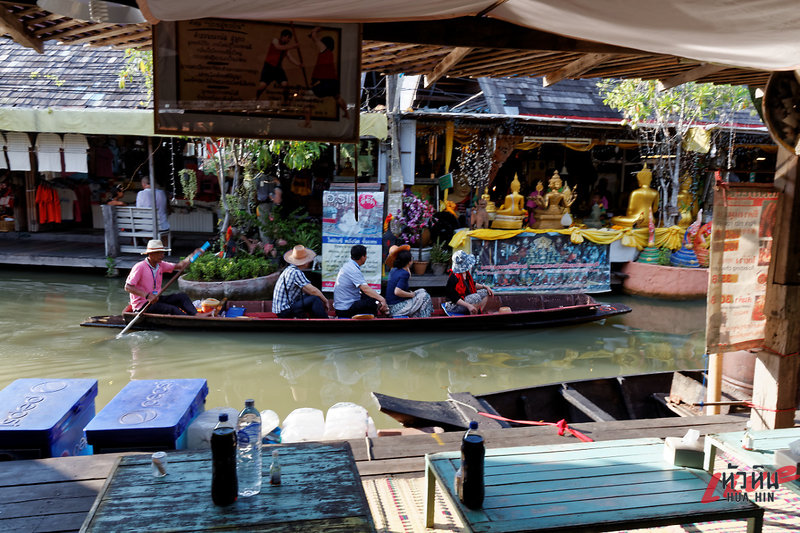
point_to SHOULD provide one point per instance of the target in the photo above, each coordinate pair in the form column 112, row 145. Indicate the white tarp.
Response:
column 760, row 34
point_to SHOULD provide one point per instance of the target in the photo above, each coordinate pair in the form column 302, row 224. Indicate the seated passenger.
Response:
column 463, row 294
column 295, row 296
column 402, row 301
column 352, row 295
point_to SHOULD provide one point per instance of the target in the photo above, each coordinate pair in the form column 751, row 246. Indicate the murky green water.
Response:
column 40, row 337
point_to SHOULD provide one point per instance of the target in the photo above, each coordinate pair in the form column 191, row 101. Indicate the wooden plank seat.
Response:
column 134, row 226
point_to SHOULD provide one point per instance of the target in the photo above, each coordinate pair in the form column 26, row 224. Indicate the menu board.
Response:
column 341, row 230
column 741, row 248
column 245, row 78
column 542, row 262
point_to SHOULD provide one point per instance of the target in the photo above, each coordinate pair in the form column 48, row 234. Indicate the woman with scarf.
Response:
column 463, row 294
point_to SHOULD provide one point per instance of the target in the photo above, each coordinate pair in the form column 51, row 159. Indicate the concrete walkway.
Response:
column 80, row 249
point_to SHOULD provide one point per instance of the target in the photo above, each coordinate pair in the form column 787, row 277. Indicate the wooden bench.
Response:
column 586, row 486
column 133, row 227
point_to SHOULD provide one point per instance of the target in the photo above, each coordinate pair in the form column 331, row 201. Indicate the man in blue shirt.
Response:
column 144, row 198
column 295, row 296
column 352, row 295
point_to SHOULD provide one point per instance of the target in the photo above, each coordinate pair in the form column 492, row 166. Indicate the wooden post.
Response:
column 714, row 387
column 775, row 379
column 111, row 233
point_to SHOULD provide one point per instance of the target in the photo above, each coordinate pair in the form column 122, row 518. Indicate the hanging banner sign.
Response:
column 340, row 231
column 741, row 246
column 247, row 78
column 542, row 262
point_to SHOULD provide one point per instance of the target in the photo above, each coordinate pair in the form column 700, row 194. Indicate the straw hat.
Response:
column 155, row 245
column 462, row 262
column 393, row 251
column 299, row 255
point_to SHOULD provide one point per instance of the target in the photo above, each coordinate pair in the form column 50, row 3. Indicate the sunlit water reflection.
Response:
column 40, row 313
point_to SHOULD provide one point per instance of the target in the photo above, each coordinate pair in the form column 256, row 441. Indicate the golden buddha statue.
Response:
column 490, row 207
column 686, row 202
column 641, row 201
column 554, row 204
column 512, row 213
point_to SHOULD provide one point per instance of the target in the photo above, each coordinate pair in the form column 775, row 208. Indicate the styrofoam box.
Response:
column 148, row 414
column 42, row 417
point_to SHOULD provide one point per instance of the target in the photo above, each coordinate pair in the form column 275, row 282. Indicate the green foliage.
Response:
column 297, row 155
column 210, row 267
column 51, row 77
column 138, row 66
column 440, row 253
column 642, row 102
column 111, row 267
column 188, row 179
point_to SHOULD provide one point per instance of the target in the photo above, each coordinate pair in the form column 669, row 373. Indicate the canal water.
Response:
column 40, row 337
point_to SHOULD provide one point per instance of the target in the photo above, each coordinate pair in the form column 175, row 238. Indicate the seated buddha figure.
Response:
column 512, row 213
column 641, row 201
column 554, row 204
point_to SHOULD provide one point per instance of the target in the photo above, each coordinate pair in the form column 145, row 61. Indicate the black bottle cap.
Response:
column 223, row 417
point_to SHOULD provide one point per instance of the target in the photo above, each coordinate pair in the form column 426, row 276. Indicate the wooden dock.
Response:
column 49, row 495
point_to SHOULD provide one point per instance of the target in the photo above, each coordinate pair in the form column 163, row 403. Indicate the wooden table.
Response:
column 764, row 445
column 596, row 486
column 320, row 490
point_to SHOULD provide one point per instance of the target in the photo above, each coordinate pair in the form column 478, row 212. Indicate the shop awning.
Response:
column 86, row 121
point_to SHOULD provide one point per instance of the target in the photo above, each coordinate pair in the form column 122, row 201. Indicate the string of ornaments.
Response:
column 475, row 160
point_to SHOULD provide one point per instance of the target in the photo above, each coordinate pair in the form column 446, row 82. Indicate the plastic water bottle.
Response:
column 224, row 486
column 249, row 450
column 472, row 453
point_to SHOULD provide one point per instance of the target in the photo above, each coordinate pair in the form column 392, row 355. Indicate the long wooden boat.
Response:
column 526, row 311
column 630, row 397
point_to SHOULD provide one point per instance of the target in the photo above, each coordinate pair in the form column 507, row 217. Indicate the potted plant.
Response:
column 414, row 218
column 440, row 257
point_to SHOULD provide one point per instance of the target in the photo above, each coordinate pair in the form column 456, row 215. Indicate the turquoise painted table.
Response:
column 764, row 445
column 596, row 486
column 320, row 491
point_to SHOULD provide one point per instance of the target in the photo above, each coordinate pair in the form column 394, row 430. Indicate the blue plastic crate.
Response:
column 42, row 417
column 148, row 414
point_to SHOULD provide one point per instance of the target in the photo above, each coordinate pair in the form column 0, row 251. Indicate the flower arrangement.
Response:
column 415, row 216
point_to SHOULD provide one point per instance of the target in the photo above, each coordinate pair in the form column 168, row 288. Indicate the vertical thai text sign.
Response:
column 340, row 231
column 741, row 245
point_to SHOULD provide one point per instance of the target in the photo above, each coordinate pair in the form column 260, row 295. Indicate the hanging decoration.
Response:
column 475, row 160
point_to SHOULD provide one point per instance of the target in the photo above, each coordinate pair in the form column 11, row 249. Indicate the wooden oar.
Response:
column 163, row 288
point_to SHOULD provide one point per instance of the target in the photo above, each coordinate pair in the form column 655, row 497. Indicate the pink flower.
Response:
column 281, row 242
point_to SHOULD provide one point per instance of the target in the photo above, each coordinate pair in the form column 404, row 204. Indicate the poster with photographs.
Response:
column 257, row 79
column 341, row 230
column 542, row 262
column 741, row 248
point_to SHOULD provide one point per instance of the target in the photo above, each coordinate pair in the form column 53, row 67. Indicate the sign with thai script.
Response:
column 542, row 262
column 341, row 230
column 246, row 78
column 741, row 247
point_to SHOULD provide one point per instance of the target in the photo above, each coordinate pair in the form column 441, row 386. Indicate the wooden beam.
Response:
column 691, row 75
column 576, row 68
column 477, row 32
column 775, row 379
column 10, row 24
column 446, row 64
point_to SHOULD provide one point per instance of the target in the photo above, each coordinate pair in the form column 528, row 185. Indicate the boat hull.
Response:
column 630, row 397
column 528, row 311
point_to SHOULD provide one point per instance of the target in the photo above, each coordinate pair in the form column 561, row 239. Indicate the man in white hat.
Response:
column 294, row 295
column 144, row 283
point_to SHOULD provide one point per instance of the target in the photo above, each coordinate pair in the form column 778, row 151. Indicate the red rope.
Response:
column 775, row 352
column 561, row 425
column 762, row 408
